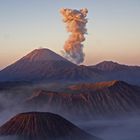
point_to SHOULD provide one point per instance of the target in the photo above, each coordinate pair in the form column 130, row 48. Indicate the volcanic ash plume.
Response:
column 76, row 24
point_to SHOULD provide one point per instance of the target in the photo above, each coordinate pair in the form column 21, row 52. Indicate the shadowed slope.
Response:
column 38, row 65
column 89, row 99
column 113, row 66
column 43, row 126
column 115, row 71
column 45, row 65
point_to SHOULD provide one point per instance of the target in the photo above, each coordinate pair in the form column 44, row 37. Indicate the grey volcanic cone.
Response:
column 42, row 126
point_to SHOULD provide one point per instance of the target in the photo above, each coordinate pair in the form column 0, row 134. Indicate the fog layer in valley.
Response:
column 120, row 129
column 126, row 128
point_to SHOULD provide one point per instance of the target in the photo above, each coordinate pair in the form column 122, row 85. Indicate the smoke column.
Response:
column 76, row 24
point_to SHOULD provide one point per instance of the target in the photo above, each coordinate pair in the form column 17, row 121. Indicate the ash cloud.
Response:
column 76, row 24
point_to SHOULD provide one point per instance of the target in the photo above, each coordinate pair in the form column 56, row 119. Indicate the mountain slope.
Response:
column 112, row 66
column 89, row 100
column 40, row 64
column 114, row 71
column 45, row 65
column 43, row 54
column 42, row 126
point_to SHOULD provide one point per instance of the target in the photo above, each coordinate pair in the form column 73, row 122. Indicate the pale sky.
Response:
column 113, row 29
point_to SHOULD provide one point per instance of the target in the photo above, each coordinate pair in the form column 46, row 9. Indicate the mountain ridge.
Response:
column 100, row 85
column 111, row 66
column 48, row 66
column 89, row 99
column 45, row 65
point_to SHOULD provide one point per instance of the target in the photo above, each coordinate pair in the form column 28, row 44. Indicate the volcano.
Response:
column 45, row 65
column 42, row 126
column 89, row 100
column 40, row 64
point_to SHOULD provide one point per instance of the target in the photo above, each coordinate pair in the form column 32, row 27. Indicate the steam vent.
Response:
column 41, row 126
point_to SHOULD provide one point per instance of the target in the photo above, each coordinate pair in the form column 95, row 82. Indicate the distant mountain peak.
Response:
column 43, row 54
column 109, row 62
column 109, row 66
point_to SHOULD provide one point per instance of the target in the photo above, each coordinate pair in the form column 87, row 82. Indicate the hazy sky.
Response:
column 113, row 29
